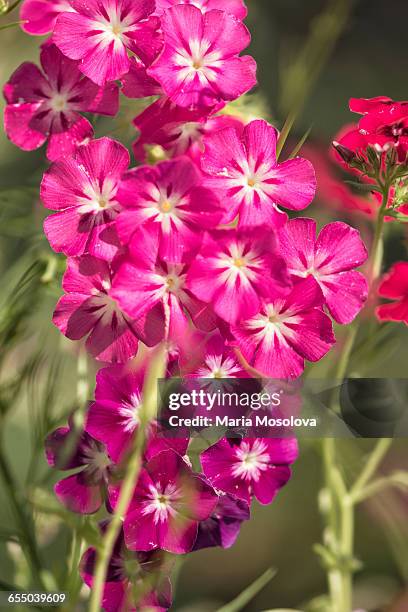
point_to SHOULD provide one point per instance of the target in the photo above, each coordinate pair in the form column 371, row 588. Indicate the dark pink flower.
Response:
column 168, row 503
column 137, row 83
column 244, row 170
column 88, row 309
column 47, row 105
column 83, row 188
column 84, row 491
column 234, row 7
column 250, row 467
column 394, row 286
column 211, row 359
column 168, row 196
column 145, row 282
column 114, row 416
column 330, row 259
column 286, row 331
column 39, row 16
column 200, row 64
column 223, row 526
column 235, row 270
column 128, row 573
column 100, row 32
column 179, row 131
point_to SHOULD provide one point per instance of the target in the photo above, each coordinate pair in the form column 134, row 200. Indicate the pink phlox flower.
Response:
column 129, row 572
column 179, row 131
column 88, row 310
column 235, row 270
column 242, row 167
column 168, row 503
column 47, row 105
column 114, row 416
column 83, row 189
column 394, row 286
column 251, row 467
column 330, row 259
column 214, row 360
column 101, row 32
column 200, row 64
column 145, row 282
column 39, row 16
column 223, row 526
column 137, row 83
column 285, row 332
column 168, row 197
column 234, row 7
column 85, row 491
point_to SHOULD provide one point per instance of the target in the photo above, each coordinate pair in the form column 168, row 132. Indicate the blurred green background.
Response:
column 39, row 378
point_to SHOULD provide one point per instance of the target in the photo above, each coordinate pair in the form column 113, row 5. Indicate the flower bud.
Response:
column 346, row 154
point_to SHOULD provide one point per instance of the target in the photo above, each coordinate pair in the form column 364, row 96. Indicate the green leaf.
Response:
column 11, row 25
column 249, row 593
column 300, row 143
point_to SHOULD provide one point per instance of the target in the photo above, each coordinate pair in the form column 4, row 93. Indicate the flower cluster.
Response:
column 195, row 248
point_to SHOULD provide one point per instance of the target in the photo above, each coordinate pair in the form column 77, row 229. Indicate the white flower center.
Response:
column 59, row 102
column 96, row 198
column 161, row 501
column 251, row 462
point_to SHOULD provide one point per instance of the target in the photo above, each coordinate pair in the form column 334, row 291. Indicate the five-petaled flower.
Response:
column 242, row 167
column 168, row 503
column 171, row 197
column 200, row 64
column 115, row 415
column 130, row 574
column 331, row 260
column 235, row 270
column 286, row 331
column 256, row 467
column 86, row 490
column 99, row 33
column 47, row 105
column 82, row 188
column 88, row 309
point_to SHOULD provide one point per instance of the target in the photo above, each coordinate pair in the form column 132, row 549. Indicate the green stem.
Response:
column 25, row 527
column 377, row 252
column 128, row 484
column 371, row 466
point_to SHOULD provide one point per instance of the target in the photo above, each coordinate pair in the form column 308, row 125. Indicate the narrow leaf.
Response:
column 250, row 592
